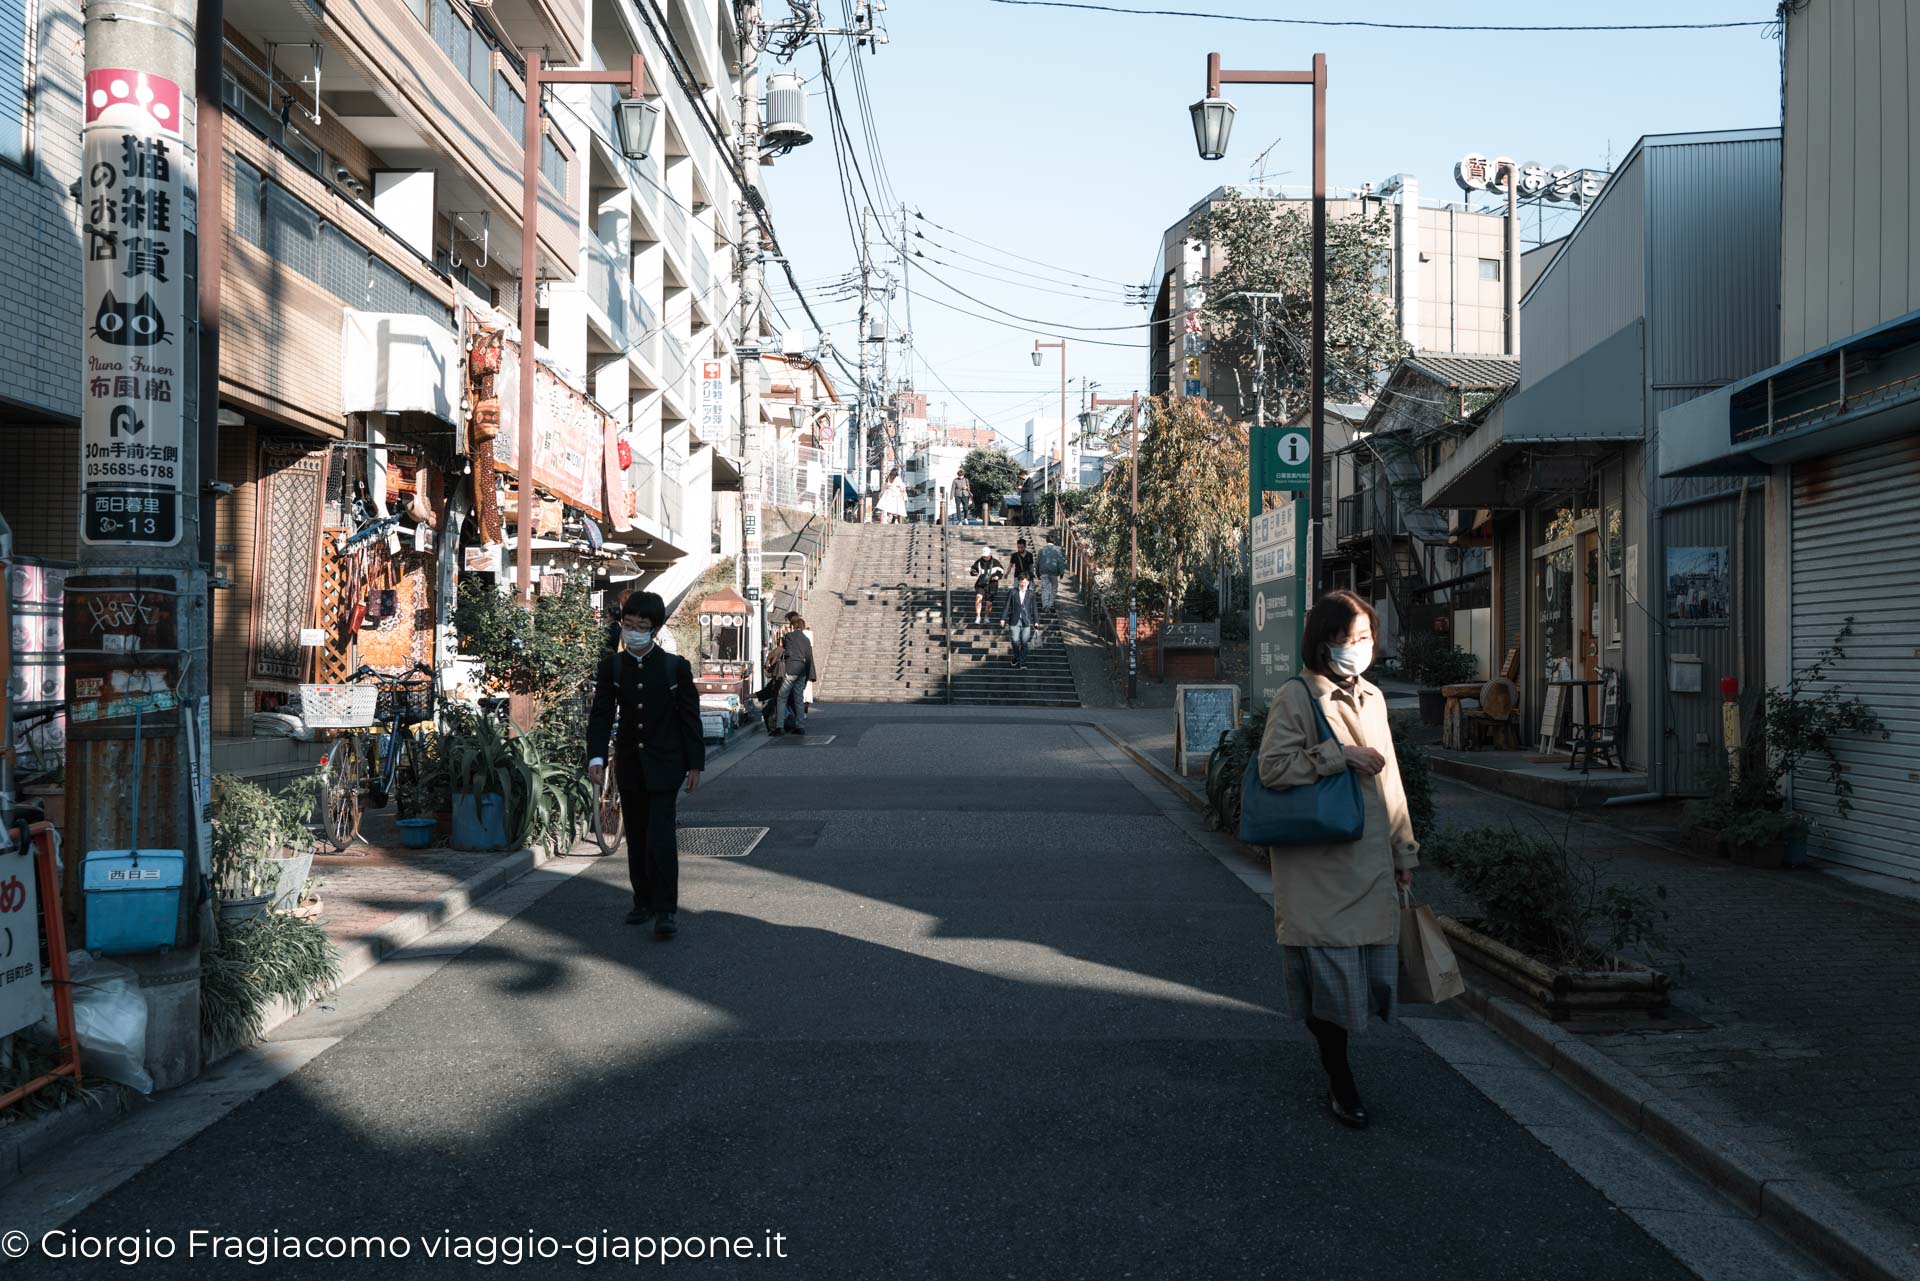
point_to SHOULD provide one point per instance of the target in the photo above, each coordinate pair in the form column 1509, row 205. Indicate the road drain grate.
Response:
column 720, row 842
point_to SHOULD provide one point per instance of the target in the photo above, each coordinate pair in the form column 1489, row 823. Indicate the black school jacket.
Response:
column 660, row 734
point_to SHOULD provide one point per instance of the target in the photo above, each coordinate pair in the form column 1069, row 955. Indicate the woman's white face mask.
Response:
column 1350, row 660
column 637, row 637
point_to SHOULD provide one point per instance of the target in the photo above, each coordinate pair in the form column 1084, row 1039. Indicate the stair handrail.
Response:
column 946, row 614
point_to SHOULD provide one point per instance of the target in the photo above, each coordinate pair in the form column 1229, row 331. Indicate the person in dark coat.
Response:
column 1022, row 616
column 1022, row 565
column 660, row 746
column 799, row 669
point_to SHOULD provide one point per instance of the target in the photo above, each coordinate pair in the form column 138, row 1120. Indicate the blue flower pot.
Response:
column 416, row 833
column 479, row 822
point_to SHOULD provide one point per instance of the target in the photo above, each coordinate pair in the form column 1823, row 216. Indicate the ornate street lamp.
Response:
column 634, row 122
column 1212, row 126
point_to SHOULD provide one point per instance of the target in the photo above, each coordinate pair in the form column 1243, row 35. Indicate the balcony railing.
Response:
column 1368, row 512
column 673, row 354
column 606, row 287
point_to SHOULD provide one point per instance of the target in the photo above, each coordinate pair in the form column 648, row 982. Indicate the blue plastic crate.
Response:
column 133, row 899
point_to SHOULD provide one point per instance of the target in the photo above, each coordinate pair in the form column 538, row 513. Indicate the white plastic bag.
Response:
column 110, row 1018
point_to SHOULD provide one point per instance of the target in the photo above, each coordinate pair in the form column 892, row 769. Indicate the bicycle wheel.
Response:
column 340, row 802
column 406, row 774
column 607, row 815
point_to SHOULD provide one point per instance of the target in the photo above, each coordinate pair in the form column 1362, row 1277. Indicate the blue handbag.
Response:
column 1329, row 810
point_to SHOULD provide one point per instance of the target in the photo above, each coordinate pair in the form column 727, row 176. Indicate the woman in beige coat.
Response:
column 1335, row 906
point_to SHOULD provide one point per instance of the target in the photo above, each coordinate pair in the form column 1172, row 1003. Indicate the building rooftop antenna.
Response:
column 1257, row 173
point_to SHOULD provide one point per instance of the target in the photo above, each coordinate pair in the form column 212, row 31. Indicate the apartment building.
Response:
column 1445, row 278
column 370, row 224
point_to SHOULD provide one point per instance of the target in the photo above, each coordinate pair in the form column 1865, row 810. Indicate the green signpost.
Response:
column 1276, row 605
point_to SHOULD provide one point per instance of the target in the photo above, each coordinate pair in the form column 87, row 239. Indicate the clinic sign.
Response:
column 713, row 399
column 1557, row 184
column 135, row 213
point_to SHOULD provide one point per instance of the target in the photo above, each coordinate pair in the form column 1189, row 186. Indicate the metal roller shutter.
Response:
column 1856, row 551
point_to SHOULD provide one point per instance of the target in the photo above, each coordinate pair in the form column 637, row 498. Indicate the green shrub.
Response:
column 254, row 828
column 1227, row 767
column 1430, row 659
column 1415, row 778
column 1544, row 901
column 276, row 957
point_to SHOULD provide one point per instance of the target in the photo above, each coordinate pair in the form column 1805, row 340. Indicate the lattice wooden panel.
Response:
column 333, row 661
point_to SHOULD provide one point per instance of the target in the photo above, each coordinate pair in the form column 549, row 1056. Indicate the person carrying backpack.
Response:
column 987, row 573
column 1052, row 563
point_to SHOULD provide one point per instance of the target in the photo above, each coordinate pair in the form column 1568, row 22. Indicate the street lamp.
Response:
column 634, row 121
column 1212, row 125
column 1062, row 345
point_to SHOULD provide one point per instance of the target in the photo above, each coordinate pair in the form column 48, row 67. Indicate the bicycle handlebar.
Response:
column 391, row 678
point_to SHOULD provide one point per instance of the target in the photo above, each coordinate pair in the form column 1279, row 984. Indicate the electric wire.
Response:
column 1386, row 26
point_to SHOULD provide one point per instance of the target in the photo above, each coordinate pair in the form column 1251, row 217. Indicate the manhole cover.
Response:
column 720, row 842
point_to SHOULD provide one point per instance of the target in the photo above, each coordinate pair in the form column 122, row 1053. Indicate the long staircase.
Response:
column 890, row 640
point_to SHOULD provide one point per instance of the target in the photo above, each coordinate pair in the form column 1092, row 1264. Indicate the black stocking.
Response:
column 1333, row 1057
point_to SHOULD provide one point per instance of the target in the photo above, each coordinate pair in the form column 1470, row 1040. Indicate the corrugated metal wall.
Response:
column 1856, row 553
column 1849, row 257
column 1694, row 744
column 1713, row 218
column 1596, row 286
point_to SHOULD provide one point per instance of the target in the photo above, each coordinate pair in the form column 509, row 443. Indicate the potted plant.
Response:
column 1551, row 927
column 262, row 845
column 1433, row 662
column 1744, row 815
column 488, row 783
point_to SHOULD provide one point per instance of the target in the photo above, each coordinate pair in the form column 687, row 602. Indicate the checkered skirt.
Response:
column 1342, row 984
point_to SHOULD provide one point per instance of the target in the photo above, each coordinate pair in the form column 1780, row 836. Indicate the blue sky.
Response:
column 1063, row 136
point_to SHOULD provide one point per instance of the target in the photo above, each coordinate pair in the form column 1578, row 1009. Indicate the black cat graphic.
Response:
column 130, row 324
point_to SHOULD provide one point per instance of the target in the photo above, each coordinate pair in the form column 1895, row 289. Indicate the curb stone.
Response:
column 23, row 1144
column 1809, row 1214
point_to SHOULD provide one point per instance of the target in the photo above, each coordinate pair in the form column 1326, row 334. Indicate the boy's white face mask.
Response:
column 638, row 637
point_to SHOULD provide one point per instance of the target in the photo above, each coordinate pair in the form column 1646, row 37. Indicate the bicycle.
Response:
column 357, row 781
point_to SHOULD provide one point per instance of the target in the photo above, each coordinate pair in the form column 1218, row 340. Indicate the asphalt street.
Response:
column 975, row 1007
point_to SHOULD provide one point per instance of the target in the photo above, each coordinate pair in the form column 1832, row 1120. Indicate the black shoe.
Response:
column 639, row 916
column 665, row 928
column 797, row 732
column 775, row 733
column 1350, row 1113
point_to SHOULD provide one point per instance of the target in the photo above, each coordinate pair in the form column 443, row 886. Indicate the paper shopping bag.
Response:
column 1429, row 974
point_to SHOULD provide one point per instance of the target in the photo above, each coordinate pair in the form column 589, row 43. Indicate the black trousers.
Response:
column 653, row 851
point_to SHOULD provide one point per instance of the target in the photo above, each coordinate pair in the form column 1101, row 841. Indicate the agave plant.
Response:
column 558, row 799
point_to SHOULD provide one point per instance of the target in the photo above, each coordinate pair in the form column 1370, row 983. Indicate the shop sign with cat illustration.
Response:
column 135, row 205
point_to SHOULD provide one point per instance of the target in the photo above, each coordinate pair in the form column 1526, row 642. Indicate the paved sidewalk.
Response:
column 1797, row 1028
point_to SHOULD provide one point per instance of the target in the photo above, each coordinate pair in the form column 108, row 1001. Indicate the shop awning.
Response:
column 394, row 363
column 1597, row 398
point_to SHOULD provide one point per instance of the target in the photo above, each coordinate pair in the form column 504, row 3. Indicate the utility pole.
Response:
column 752, row 474
column 136, row 618
column 866, row 298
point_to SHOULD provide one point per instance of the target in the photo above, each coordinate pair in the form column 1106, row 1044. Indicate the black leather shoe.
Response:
column 1353, row 1115
column 775, row 733
column 639, row 916
column 797, row 732
column 664, row 926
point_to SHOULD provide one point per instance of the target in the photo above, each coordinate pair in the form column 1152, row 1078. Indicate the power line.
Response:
column 953, row 231
column 1027, row 329
column 1387, row 26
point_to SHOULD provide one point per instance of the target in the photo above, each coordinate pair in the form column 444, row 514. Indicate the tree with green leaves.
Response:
column 1193, row 495
column 992, row 474
column 1266, row 246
